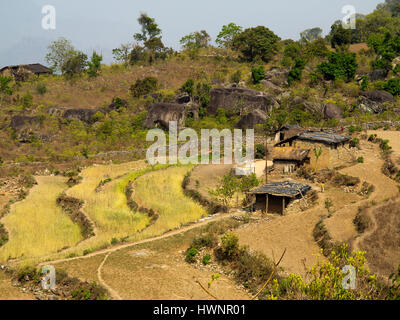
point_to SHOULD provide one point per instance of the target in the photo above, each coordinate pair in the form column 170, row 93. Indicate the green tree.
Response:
column 228, row 32
column 5, row 88
column 339, row 35
column 253, row 43
column 311, row 34
column 75, row 65
column 225, row 189
column 122, row 53
column 318, row 154
column 94, row 65
column 150, row 28
column 60, row 51
column 341, row 65
column 196, row 40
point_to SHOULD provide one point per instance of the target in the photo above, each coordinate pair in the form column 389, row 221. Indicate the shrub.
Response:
column 206, row 259
column 355, row 142
column 41, row 89
column 340, row 66
column 360, row 160
column 392, row 86
column 236, row 77
column 260, row 151
column 191, row 255
column 143, row 87
column 257, row 74
column 230, row 245
column 188, row 87
column 205, row 240
column 296, row 72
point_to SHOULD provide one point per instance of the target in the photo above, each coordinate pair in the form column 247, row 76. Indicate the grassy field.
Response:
column 162, row 191
column 37, row 226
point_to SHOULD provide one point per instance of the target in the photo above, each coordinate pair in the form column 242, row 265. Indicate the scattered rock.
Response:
column 162, row 113
column 373, row 101
column 332, row 111
column 84, row 115
column 250, row 120
column 277, row 76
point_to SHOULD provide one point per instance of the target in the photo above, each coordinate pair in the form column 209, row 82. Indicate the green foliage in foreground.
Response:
column 325, row 281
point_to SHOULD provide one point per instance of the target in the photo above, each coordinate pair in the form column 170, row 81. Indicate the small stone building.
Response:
column 288, row 160
column 335, row 148
column 274, row 197
column 287, row 131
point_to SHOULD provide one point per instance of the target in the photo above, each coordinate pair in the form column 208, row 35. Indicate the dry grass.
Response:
column 383, row 238
column 162, row 191
column 37, row 226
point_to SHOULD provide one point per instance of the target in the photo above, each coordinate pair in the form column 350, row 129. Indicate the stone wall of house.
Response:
column 331, row 157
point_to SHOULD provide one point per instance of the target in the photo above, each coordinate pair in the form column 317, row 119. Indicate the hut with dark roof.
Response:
column 335, row 148
column 274, row 197
column 23, row 71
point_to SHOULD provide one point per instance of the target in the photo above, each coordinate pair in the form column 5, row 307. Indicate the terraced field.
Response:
column 162, row 191
column 36, row 225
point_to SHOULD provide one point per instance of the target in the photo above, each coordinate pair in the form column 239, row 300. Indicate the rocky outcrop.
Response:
column 162, row 113
column 240, row 101
column 332, row 111
column 250, row 120
column 84, row 115
column 20, row 122
column 271, row 87
column 182, row 98
column 373, row 101
column 277, row 76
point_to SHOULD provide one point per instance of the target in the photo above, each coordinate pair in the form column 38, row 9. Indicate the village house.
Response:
column 24, row 71
column 287, row 131
column 333, row 149
column 274, row 197
column 289, row 159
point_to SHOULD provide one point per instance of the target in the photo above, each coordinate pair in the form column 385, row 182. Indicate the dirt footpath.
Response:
column 340, row 225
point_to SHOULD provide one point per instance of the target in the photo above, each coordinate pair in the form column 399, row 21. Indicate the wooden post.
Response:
column 283, row 206
column 266, row 203
column 266, row 158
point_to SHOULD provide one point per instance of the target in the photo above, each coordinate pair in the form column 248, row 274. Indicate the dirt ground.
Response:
column 9, row 292
column 340, row 225
column 293, row 232
column 154, row 270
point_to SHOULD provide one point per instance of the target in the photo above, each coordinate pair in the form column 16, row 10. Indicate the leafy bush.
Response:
column 260, row 151
column 143, row 87
column 41, row 89
column 236, row 77
column 340, row 66
column 229, row 245
column 296, row 72
column 392, row 86
column 257, row 74
column 191, row 255
column 206, row 259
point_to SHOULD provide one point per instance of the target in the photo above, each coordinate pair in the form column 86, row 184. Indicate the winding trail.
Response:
column 340, row 225
column 114, row 294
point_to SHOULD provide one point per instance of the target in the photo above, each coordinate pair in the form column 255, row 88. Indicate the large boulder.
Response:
column 21, row 122
column 84, row 115
column 250, row 120
column 373, row 101
column 277, row 76
column 271, row 87
column 162, row 113
column 332, row 111
column 239, row 100
column 378, row 75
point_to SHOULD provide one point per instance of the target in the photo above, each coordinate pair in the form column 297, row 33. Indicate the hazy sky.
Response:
column 105, row 24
